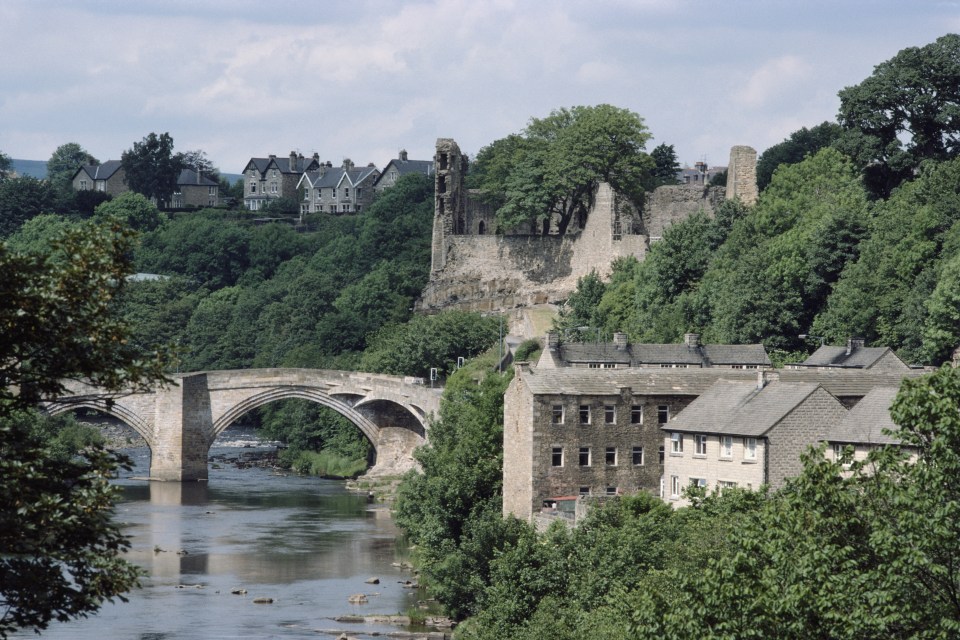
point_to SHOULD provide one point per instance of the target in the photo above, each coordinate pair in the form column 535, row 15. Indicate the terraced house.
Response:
column 338, row 190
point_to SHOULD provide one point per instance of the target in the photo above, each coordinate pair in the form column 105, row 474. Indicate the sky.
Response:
column 366, row 78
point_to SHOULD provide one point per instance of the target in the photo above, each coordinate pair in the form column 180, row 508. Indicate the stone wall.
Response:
column 742, row 175
column 668, row 205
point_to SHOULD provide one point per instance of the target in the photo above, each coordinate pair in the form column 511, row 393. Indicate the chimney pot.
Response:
column 692, row 339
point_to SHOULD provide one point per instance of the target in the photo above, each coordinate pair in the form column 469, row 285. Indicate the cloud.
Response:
column 775, row 81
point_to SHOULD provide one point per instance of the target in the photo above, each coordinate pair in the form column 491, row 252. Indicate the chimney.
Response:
column 403, row 155
column 553, row 340
column 316, row 156
column 347, row 164
column 853, row 344
column 293, row 161
column 273, row 157
column 692, row 340
column 620, row 341
column 761, row 380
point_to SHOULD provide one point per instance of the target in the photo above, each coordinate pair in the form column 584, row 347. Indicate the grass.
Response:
column 327, row 464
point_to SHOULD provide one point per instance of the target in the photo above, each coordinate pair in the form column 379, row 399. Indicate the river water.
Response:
column 305, row 542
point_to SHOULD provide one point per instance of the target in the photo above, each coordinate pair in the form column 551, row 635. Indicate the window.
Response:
column 358, row 192
column 346, row 192
column 726, row 446
column 253, row 187
column 273, row 187
column 556, row 457
column 663, row 413
column 676, row 442
column 609, row 365
column 584, row 414
column 593, row 365
column 698, row 482
column 212, row 191
column 637, row 456
column 345, row 207
column 212, row 202
column 306, row 194
column 358, row 208
column 636, row 414
column 750, row 448
column 584, row 456
column 557, row 414
column 609, row 414
column 660, row 454
column 584, row 491
column 837, row 452
column 101, row 185
column 333, row 194
column 700, row 444
column 611, row 456
column 674, row 487
column 611, row 491
column 726, row 484
column 333, row 208
column 83, row 185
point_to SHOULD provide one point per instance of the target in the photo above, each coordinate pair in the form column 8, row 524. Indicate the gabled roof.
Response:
column 333, row 176
column 405, row 167
column 260, row 164
column 103, row 171
column 738, row 408
column 865, row 423
column 297, row 165
column 190, row 178
column 853, row 357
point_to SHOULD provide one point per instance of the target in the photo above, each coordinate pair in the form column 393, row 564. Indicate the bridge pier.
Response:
column 183, row 431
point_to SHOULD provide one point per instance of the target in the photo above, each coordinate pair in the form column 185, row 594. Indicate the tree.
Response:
column 907, row 111
column 666, row 165
column 551, row 172
column 21, row 199
column 800, row 144
column 197, row 160
column 64, row 162
column 151, row 167
column 60, row 554
column 6, row 165
column 139, row 213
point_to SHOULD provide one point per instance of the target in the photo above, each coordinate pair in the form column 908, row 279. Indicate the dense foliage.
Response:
column 60, row 552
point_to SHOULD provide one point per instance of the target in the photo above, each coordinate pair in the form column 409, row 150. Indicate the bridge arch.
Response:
column 112, row 409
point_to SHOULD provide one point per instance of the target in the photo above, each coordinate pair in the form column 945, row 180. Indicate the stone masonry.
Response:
column 742, row 175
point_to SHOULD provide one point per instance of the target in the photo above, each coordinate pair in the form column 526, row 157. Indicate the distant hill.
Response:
column 32, row 168
column 38, row 169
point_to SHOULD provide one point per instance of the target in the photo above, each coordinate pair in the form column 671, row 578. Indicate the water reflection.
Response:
column 305, row 542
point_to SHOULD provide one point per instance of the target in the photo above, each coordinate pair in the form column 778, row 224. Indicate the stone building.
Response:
column 619, row 354
column 399, row 167
column 195, row 191
column 745, row 434
column 597, row 431
column 108, row 177
column 338, row 190
column 270, row 178
column 866, row 426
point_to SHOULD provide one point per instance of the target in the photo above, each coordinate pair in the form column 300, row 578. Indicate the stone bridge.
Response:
column 181, row 420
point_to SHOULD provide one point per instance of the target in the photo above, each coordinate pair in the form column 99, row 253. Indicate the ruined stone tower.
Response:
column 450, row 167
column 742, row 174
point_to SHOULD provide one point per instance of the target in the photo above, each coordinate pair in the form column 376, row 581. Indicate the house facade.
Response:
column 271, row 178
column 745, row 434
column 195, row 191
column 107, row 177
column 400, row 167
column 338, row 190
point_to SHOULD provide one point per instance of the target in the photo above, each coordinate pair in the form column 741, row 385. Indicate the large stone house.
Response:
column 195, row 191
column 866, row 426
column 338, row 190
column 107, row 177
column 400, row 167
column 690, row 354
column 745, row 434
column 271, row 178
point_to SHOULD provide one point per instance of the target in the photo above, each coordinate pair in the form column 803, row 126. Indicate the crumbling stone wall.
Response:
column 671, row 204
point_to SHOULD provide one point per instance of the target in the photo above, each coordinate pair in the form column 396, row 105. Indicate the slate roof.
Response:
column 102, row 171
column 283, row 164
column 864, row 424
column 332, row 176
column 695, row 381
column 731, row 407
column 189, row 177
column 405, row 167
column 655, row 354
column 858, row 357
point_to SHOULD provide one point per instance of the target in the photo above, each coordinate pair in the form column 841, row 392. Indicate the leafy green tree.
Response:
column 64, row 162
column 797, row 146
column 6, row 165
column 282, row 207
column 60, row 554
column 152, row 168
column 551, row 172
column 578, row 320
column 21, row 199
column 134, row 209
column 907, row 111
column 941, row 334
column 666, row 166
column 197, row 160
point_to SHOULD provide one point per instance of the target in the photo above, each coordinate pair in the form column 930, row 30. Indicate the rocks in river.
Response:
column 357, row 598
column 238, row 592
column 263, row 600
column 372, row 580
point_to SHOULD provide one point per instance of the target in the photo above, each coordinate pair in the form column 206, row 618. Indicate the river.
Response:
column 306, row 543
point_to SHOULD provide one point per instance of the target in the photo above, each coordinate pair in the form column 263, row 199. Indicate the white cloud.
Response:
column 776, row 80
